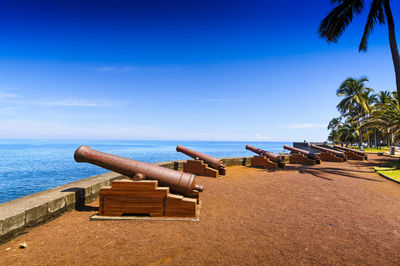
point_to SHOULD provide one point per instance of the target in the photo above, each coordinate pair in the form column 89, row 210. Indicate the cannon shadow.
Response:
column 80, row 198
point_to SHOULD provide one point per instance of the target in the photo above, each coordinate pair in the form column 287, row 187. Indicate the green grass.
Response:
column 390, row 169
column 384, row 168
column 377, row 150
column 383, row 149
column 393, row 174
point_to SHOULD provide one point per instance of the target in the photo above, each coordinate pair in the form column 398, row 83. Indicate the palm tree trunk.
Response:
column 393, row 44
column 359, row 132
column 375, row 144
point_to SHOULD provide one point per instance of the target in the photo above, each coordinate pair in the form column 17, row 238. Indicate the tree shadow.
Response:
column 303, row 171
column 340, row 172
column 377, row 162
column 320, row 171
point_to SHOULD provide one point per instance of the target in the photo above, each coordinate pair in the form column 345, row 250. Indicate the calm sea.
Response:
column 30, row 166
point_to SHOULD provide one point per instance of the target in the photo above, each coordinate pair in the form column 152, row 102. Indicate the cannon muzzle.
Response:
column 210, row 160
column 270, row 155
column 179, row 182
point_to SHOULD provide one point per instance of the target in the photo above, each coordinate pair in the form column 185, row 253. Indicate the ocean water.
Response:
column 30, row 166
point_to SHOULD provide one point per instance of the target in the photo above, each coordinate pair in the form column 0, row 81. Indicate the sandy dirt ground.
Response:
column 333, row 213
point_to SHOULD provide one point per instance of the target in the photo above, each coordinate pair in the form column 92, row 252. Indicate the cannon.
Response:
column 143, row 197
column 202, row 164
column 352, row 154
column 330, row 155
column 179, row 182
column 272, row 156
column 265, row 159
column 302, row 156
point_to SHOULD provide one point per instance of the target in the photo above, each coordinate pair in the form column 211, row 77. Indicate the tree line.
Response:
column 365, row 116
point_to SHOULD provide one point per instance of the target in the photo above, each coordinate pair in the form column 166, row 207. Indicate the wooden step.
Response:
column 127, row 197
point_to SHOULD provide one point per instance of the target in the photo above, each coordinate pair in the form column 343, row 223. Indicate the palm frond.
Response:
column 376, row 15
column 334, row 24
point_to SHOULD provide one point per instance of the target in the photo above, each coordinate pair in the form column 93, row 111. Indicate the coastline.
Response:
column 23, row 214
column 31, row 166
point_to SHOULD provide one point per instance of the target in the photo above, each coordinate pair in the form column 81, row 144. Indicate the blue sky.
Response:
column 192, row 70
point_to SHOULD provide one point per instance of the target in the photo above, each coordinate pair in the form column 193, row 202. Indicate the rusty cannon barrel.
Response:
column 180, row 182
column 323, row 149
column 270, row 155
column 309, row 154
column 362, row 153
column 211, row 161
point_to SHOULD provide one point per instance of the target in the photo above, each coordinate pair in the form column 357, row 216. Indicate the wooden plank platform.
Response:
column 199, row 167
column 330, row 157
column 97, row 217
column 354, row 156
column 144, row 198
column 263, row 162
column 298, row 158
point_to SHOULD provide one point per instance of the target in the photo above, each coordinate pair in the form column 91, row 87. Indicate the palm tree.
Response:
column 355, row 96
column 356, row 103
column 334, row 126
column 348, row 133
column 386, row 117
column 334, row 137
column 335, row 23
column 334, row 123
column 370, row 99
column 383, row 97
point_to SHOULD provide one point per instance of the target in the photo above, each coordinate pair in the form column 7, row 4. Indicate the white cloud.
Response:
column 134, row 68
column 60, row 130
column 115, row 69
column 303, row 126
column 80, row 103
column 221, row 100
column 260, row 137
column 16, row 128
column 6, row 95
column 7, row 110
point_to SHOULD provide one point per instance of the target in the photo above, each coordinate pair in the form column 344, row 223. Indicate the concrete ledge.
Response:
column 21, row 215
column 237, row 161
column 178, row 165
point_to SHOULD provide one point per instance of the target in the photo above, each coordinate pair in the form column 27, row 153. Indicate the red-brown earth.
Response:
column 333, row 213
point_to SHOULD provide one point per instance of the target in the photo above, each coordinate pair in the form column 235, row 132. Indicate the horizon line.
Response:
column 78, row 139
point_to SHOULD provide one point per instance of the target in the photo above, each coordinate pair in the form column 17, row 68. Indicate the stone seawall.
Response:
column 21, row 215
